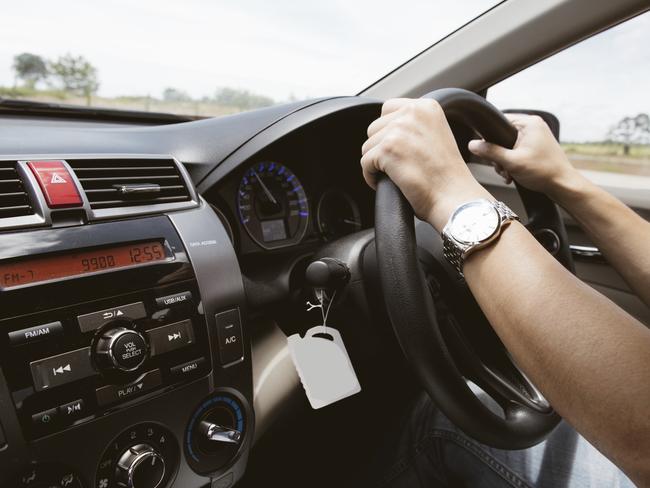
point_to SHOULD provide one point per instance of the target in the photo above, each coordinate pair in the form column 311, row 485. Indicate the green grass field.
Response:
column 199, row 108
column 609, row 157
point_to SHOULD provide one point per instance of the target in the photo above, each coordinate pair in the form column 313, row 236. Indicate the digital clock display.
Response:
column 46, row 268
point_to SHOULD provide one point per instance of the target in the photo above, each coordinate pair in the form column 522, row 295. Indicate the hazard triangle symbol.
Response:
column 56, row 178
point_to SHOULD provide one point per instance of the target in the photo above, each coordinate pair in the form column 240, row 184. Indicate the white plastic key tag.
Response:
column 323, row 365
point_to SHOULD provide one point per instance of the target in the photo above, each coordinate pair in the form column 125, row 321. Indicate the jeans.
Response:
column 430, row 451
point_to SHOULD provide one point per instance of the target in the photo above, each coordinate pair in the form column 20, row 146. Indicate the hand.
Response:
column 537, row 161
column 412, row 143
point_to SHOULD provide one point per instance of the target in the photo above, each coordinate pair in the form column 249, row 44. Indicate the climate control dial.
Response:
column 140, row 466
column 143, row 456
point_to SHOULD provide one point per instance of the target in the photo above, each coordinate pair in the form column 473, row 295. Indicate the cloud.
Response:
column 589, row 86
column 309, row 48
column 277, row 48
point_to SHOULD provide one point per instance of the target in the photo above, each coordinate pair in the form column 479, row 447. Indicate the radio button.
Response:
column 231, row 347
column 45, row 420
column 35, row 334
column 170, row 337
column 114, row 393
column 73, row 410
column 61, row 369
column 182, row 298
column 94, row 320
column 188, row 368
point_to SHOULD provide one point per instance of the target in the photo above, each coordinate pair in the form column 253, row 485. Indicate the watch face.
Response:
column 474, row 222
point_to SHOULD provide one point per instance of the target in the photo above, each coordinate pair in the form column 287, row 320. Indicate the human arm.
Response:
column 539, row 163
column 587, row 356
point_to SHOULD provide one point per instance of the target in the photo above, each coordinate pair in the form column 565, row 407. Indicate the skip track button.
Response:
column 62, row 369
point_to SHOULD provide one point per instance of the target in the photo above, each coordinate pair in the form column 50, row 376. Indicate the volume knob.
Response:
column 140, row 466
column 121, row 349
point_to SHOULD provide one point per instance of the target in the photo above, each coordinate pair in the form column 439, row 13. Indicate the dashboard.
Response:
column 128, row 284
column 299, row 192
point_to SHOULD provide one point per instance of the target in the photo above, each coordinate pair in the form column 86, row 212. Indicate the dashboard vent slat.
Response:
column 14, row 200
column 101, row 179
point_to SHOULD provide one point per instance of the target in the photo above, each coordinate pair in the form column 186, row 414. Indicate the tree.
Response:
column 30, row 68
column 631, row 130
column 76, row 75
column 241, row 99
column 175, row 95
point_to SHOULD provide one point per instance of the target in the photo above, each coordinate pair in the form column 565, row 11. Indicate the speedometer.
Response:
column 272, row 205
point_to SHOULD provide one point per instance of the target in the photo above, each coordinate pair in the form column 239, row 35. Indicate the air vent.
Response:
column 112, row 183
column 14, row 201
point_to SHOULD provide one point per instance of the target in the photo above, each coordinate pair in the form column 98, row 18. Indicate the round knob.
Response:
column 140, row 466
column 327, row 273
column 122, row 349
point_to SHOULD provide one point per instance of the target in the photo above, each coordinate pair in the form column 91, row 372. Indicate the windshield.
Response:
column 208, row 57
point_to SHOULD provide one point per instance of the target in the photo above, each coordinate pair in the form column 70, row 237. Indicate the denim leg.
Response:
column 430, row 451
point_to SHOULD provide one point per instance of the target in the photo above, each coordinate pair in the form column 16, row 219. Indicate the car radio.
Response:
column 121, row 335
column 70, row 356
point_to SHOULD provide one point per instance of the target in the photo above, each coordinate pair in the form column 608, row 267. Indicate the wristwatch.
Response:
column 473, row 226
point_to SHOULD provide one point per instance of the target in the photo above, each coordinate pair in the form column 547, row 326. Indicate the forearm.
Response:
column 587, row 355
column 621, row 235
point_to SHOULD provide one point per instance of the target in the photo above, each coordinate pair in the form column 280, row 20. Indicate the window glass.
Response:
column 600, row 91
column 212, row 57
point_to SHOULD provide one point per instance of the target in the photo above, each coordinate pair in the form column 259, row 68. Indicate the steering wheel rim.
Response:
column 412, row 312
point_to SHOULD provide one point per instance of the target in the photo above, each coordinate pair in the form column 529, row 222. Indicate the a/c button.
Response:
column 229, row 333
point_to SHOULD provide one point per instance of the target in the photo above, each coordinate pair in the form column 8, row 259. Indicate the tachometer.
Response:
column 272, row 205
column 337, row 215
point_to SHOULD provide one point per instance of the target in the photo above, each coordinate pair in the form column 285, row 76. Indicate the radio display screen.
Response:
column 44, row 268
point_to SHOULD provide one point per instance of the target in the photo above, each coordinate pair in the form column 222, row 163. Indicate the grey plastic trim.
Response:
column 506, row 39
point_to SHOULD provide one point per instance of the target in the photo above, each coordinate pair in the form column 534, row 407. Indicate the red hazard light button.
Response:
column 58, row 186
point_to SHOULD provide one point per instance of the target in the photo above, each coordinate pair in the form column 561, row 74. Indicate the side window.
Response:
column 600, row 91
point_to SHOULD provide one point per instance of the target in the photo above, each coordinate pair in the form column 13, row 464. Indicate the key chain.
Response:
column 320, row 357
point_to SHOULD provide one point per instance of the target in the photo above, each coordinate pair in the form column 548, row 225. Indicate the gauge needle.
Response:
column 351, row 222
column 266, row 190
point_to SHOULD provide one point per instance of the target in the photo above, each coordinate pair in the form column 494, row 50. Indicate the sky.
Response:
column 299, row 49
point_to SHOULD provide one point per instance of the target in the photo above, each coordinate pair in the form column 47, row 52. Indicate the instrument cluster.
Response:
column 269, row 204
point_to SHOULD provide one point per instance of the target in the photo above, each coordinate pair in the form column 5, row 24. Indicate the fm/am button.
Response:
column 35, row 334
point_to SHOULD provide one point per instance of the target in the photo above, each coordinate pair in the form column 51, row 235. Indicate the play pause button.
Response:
column 115, row 393
column 72, row 409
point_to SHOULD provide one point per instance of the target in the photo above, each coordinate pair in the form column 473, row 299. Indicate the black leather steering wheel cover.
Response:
column 476, row 112
column 411, row 308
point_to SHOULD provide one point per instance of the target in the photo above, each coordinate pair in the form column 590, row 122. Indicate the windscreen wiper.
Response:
column 10, row 106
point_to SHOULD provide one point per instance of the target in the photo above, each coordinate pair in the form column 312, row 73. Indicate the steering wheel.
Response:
column 445, row 358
